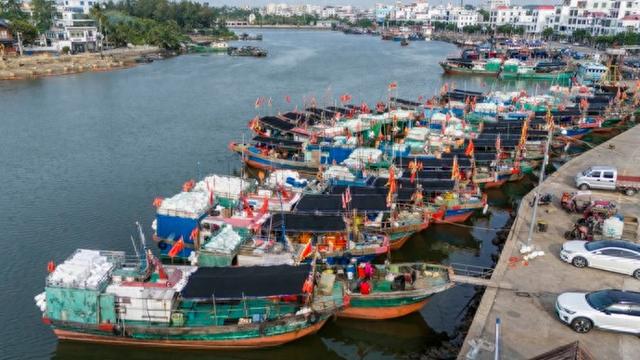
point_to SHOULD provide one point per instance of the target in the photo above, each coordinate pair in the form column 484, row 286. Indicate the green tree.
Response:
column 581, row 35
column 10, row 9
column 28, row 32
column 548, row 33
column 364, row 23
column 485, row 14
column 43, row 12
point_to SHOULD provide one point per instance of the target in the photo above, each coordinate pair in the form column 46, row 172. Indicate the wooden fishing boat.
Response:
column 396, row 290
column 98, row 297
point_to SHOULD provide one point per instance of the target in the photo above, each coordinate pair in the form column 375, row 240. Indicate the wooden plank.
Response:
column 461, row 279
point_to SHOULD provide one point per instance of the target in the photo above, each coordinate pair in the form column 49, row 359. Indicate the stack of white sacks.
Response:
column 225, row 241
column 280, row 177
column 361, row 156
column 185, row 204
column 86, row 269
column 225, row 186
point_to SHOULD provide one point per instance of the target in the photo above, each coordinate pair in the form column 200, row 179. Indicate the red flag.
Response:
column 306, row 251
column 194, row 234
column 176, row 248
column 470, row 148
column 393, row 85
column 287, row 98
column 348, row 194
column 344, row 200
column 455, row 170
column 247, row 207
column 211, row 198
column 364, row 108
column 265, row 206
column 188, row 186
column 259, row 102
column 157, row 202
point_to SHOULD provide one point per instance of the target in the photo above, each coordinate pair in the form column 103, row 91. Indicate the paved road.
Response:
column 529, row 323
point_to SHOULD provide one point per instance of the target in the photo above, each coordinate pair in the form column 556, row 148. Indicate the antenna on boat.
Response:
column 143, row 240
column 135, row 248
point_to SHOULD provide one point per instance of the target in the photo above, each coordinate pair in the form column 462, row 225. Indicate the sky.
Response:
column 362, row 3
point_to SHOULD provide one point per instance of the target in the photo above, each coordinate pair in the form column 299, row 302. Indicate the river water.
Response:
column 83, row 156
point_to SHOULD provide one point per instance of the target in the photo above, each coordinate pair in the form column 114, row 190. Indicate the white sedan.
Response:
column 612, row 255
column 614, row 310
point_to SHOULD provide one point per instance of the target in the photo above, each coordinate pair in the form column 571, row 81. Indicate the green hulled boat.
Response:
column 395, row 290
column 99, row 297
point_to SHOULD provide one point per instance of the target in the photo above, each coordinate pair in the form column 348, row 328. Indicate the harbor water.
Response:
column 83, row 157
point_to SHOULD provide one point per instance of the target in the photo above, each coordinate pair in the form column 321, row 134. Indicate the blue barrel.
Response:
column 351, row 271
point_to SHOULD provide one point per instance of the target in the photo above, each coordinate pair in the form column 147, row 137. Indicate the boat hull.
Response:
column 230, row 344
column 360, row 310
column 456, row 216
column 451, row 70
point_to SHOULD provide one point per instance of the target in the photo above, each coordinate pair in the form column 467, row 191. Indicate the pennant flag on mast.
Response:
column 455, row 170
column 307, row 250
column 470, row 149
column 393, row 85
column 176, row 248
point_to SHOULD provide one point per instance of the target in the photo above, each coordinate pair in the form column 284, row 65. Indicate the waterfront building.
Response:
column 85, row 5
column 535, row 18
column 598, row 17
column 6, row 38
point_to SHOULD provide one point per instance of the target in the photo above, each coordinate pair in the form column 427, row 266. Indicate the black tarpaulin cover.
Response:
column 294, row 222
column 427, row 185
column 278, row 142
column 277, row 123
column 433, row 163
column 250, row 281
column 333, row 202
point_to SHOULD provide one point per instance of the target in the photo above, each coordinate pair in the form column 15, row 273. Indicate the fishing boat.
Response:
column 107, row 298
column 392, row 290
column 217, row 46
column 514, row 70
column 590, row 73
column 471, row 67
column 336, row 238
column 246, row 51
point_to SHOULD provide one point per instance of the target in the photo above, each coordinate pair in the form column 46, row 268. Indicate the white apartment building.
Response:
column 536, row 18
column 599, row 17
column 85, row 5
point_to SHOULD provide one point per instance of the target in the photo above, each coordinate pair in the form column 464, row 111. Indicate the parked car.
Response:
column 607, row 178
column 615, row 310
column 612, row 255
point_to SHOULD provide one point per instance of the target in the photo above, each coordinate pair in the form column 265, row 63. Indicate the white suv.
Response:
column 612, row 255
column 615, row 310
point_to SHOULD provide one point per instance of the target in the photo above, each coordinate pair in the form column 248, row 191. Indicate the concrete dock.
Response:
column 529, row 325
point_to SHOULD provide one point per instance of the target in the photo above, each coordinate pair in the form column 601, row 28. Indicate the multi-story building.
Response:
column 598, row 17
column 535, row 18
column 6, row 38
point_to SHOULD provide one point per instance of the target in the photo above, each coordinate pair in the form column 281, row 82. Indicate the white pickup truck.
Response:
column 607, row 178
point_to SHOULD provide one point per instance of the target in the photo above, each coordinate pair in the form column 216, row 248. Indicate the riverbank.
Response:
column 286, row 27
column 529, row 325
column 37, row 66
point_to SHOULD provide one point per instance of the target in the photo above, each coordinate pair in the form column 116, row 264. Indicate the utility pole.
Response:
column 541, row 179
column 20, row 42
